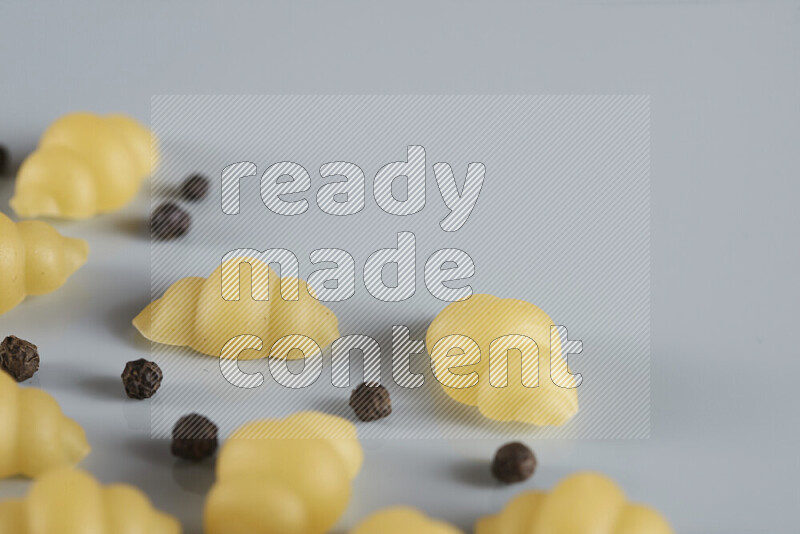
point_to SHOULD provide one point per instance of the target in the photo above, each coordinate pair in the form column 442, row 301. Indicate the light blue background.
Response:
column 562, row 220
column 723, row 80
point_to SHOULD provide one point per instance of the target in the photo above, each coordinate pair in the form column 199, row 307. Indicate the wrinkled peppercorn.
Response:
column 370, row 402
column 19, row 358
column 195, row 187
column 194, row 438
column 141, row 379
column 3, row 159
column 513, row 462
column 169, row 221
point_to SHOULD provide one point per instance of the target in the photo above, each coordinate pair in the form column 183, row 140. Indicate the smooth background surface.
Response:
column 562, row 220
column 722, row 456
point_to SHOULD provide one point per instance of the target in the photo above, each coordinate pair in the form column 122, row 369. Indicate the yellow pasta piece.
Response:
column 584, row 503
column 35, row 436
column 517, row 386
column 70, row 501
column 35, row 259
column 402, row 520
column 85, row 164
column 288, row 476
column 193, row 313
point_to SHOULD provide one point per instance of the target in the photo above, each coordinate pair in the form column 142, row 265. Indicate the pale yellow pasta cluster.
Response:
column 584, row 503
column 85, row 164
column 35, row 436
column 35, row 259
column 289, row 476
column 70, row 501
column 463, row 334
column 193, row 312
column 402, row 520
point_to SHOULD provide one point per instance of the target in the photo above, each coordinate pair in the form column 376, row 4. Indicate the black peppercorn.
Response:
column 3, row 159
column 194, row 438
column 370, row 402
column 19, row 358
column 195, row 188
column 141, row 379
column 513, row 462
column 169, row 221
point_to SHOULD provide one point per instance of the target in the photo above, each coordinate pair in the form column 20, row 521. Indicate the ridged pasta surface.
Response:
column 85, row 164
column 520, row 384
column 35, row 259
column 70, row 501
column 193, row 313
column 35, row 436
column 287, row 476
column 584, row 503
